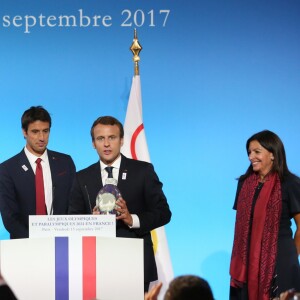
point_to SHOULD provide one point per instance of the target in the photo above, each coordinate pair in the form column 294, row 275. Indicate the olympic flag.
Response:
column 135, row 146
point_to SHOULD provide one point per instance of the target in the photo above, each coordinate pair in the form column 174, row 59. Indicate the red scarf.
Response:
column 254, row 263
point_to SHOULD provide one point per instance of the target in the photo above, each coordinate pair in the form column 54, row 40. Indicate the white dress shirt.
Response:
column 116, row 169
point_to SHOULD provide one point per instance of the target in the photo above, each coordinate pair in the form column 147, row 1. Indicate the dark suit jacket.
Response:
column 6, row 293
column 144, row 197
column 17, row 190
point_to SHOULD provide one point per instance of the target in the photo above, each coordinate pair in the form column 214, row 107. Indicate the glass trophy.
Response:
column 108, row 197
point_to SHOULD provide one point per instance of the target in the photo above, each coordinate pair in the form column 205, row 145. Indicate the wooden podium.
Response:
column 74, row 268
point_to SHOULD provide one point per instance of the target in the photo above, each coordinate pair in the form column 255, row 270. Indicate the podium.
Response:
column 74, row 268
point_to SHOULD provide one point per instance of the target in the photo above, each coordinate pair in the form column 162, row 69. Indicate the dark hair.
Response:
column 189, row 287
column 270, row 141
column 107, row 120
column 35, row 113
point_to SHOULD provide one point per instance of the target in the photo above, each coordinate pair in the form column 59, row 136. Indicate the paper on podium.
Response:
column 72, row 225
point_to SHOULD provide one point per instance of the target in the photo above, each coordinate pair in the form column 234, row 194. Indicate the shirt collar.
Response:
column 32, row 158
column 116, row 164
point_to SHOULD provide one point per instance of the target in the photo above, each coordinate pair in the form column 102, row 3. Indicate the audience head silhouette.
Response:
column 189, row 287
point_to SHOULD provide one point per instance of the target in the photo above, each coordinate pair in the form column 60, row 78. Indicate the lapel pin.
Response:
column 24, row 168
column 124, row 176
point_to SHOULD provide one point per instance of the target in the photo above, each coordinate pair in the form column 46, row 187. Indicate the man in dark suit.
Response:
column 18, row 180
column 143, row 206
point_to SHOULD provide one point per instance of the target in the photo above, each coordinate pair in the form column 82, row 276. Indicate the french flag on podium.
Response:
column 74, row 268
column 77, row 267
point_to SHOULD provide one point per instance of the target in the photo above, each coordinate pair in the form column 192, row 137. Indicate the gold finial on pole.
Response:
column 136, row 48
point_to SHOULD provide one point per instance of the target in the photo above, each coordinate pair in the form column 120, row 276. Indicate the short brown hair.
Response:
column 35, row 113
column 107, row 120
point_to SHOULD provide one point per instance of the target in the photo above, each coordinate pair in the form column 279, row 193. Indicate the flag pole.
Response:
column 136, row 48
column 135, row 147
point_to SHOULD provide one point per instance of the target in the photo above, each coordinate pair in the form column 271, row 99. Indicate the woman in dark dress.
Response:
column 264, row 261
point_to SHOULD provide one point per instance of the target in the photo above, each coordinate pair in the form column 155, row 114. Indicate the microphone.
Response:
column 53, row 197
column 88, row 196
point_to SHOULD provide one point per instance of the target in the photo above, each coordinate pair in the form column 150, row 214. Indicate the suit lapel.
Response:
column 123, row 174
column 53, row 166
column 93, row 183
column 25, row 164
column 97, row 175
column 25, row 175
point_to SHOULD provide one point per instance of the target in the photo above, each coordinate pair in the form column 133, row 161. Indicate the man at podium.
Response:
column 143, row 206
